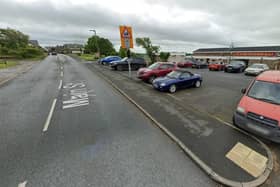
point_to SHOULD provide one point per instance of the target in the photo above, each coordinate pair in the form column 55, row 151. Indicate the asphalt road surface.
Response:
column 61, row 125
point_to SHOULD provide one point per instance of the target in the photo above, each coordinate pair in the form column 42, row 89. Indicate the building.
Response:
column 262, row 54
column 33, row 43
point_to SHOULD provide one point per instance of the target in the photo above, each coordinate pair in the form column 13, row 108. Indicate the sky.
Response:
column 174, row 25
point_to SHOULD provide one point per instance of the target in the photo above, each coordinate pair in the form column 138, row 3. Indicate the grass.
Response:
column 87, row 57
column 9, row 64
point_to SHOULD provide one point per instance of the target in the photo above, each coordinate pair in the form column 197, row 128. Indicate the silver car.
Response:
column 256, row 69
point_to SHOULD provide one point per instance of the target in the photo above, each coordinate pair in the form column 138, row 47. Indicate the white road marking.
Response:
column 61, row 68
column 23, row 184
column 61, row 73
column 47, row 123
column 60, row 84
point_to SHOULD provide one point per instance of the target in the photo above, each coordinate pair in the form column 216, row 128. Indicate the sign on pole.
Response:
column 126, row 37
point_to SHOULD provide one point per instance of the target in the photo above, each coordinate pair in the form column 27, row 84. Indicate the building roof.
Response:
column 270, row 76
column 259, row 48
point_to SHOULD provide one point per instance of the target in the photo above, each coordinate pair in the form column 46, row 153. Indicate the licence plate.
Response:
column 258, row 129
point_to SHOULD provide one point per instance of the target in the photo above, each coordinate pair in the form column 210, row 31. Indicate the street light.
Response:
column 93, row 30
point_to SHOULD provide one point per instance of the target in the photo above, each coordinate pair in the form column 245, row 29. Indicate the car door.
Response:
column 163, row 70
column 185, row 80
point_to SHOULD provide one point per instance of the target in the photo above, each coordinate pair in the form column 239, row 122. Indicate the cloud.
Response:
column 175, row 25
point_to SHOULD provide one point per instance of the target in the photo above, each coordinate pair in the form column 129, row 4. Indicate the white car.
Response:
column 256, row 69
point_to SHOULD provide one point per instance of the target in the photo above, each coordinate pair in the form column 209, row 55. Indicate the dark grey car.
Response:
column 122, row 65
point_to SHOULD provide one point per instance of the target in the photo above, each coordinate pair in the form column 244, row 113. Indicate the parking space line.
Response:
column 60, row 84
column 22, row 184
column 47, row 123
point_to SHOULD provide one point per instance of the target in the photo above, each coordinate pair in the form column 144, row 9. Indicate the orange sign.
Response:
column 265, row 54
column 126, row 37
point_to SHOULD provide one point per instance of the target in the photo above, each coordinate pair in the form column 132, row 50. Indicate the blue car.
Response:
column 108, row 59
column 177, row 79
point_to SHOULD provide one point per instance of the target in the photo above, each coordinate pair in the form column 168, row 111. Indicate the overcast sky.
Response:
column 175, row 25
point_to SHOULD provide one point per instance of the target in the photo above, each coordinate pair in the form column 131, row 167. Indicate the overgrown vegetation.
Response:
column 14, row 44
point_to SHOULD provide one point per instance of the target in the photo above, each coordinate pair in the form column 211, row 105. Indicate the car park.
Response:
column 177, row 79
column 235, row 67
column 135, row 64
column 185, row 64
column 108, row 59
column 216, row 66
column 158, row 69
column 256, row 69
column 199, row 64
column 259, row 109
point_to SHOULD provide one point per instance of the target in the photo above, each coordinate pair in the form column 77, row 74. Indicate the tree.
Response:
column 103, row 44
column 147, row 45
column 13, row 39
column 164, row 56
column 122, row 52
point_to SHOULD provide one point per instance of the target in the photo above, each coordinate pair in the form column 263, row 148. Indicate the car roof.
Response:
column 165, row 63
column 269, row 76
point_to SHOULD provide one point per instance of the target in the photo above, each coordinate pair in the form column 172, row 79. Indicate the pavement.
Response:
column 7, row 74
column 62, row 125
column 204, row 128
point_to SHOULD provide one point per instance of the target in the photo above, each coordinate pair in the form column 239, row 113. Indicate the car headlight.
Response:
column 162, row 84
column 240, row 110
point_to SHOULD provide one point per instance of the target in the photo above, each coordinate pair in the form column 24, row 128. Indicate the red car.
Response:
column 217, row 66
column 185, row 64
column 159, row 69
column 259, row 109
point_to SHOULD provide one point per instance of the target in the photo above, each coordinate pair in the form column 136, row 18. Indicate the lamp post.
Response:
column 93, row 30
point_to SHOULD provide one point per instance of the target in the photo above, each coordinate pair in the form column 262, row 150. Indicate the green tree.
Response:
column 122, row 52
column 147, row 45
column 164, row 56
column 12, row 39
column 103, row 44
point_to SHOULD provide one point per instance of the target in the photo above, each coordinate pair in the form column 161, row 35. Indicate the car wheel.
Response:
column 151, row 79
column 197, row 84
column 119, row 68
column 172, row 88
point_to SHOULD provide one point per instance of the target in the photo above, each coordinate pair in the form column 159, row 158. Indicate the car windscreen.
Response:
column 237, row 63
column 265, row 91
column 257, row 66
column 174, row 74
column 154, row 66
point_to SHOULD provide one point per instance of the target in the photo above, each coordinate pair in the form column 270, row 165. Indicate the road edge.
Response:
column 3, row 82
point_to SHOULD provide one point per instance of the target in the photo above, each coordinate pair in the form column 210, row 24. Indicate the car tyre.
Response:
column 119, row 68
column 172, row 88
column 197, row 84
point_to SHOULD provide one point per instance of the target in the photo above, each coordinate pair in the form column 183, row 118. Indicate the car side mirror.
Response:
column 243, row 90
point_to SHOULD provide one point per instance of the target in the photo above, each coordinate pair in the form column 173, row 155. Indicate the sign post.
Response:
column 127, row 43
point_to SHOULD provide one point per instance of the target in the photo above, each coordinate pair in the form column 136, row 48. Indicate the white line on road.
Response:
column 60, row 84
column 23, row 184
column 61, row 73
column 49, row 116
column 61, row 68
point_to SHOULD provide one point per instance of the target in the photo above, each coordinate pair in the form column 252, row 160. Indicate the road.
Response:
column 61, row 125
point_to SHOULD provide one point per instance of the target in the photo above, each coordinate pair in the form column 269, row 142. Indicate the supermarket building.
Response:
column 263, row 54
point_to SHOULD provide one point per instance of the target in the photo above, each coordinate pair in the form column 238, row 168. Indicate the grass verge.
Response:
column 7, row 64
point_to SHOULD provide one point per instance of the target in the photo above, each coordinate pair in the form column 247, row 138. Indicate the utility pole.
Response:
column 230, row 50
column 98, row 51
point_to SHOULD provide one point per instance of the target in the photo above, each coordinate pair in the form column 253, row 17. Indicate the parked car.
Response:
column 53, row 53
column 177, row 79
column 256, row 69
column 259, row 109
column 108, row 59
column 185, row 64
column 235, row 67
column 135, row 64
column 155, row 70
column 217, row 66
column 199, row 64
